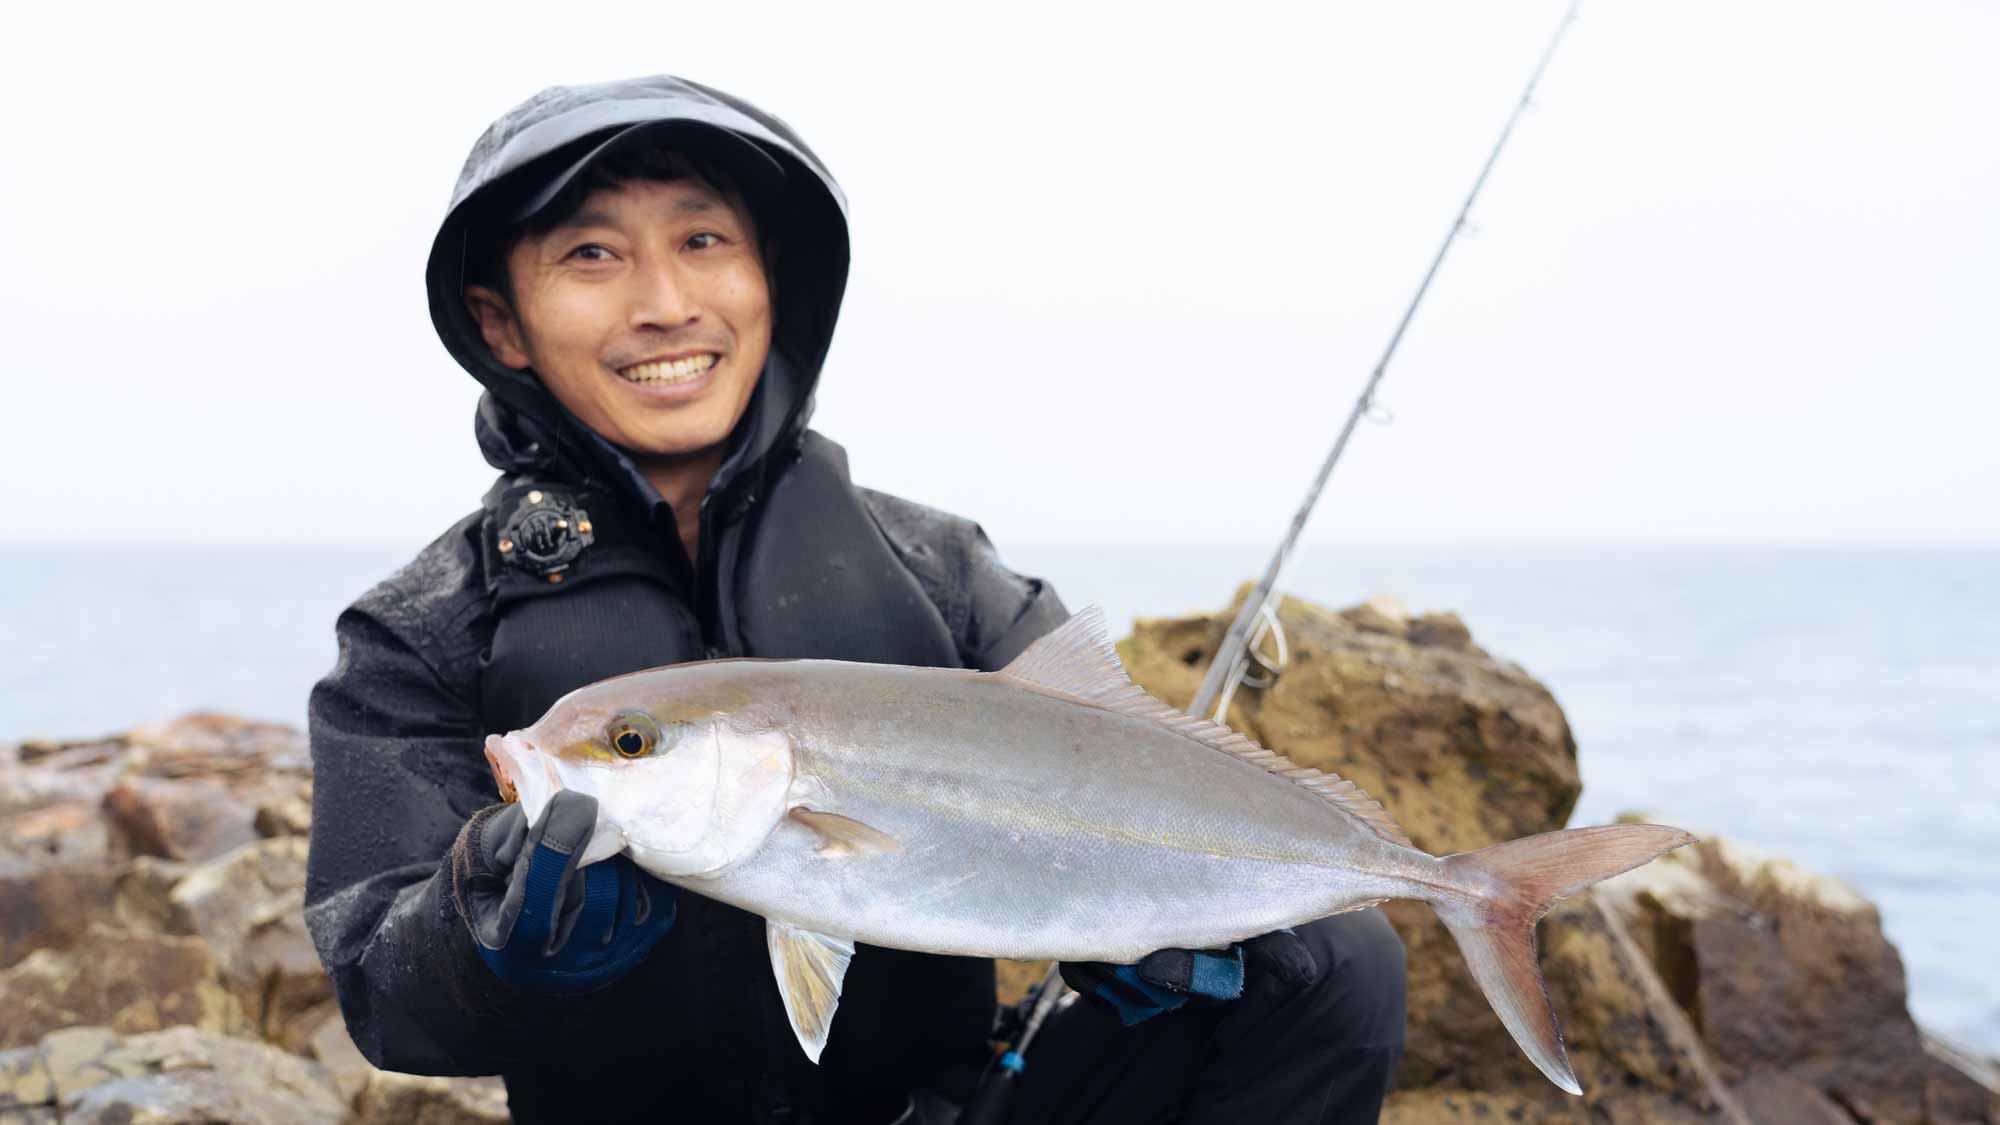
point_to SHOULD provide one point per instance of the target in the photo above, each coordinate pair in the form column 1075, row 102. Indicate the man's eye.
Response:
column 590, row 252
column 704, row 240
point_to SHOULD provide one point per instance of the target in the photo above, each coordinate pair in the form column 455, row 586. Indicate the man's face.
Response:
column 647, row 314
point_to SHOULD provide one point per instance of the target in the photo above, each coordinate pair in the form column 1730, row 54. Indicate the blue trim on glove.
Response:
column 1151, row 999
column 1218, row 976
column 624, row 914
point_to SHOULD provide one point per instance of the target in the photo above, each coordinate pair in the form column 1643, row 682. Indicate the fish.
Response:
column 1049, row 810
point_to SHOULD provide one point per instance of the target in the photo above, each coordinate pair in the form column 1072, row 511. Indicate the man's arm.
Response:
column 993, row 612
column 397, row 769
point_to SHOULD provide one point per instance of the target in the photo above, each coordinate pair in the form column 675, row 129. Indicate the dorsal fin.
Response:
column 1078, row 661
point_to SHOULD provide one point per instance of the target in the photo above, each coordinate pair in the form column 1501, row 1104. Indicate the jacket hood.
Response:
column 519, row 424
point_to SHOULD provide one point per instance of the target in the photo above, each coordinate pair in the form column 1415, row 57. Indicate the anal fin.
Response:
column 810, row 967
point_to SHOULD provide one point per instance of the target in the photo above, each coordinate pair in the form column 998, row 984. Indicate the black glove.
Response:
column 1165, row 980
column 536, row 920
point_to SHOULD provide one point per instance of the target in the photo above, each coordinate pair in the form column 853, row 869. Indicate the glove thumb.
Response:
column 544, row 867
column 1283, row 956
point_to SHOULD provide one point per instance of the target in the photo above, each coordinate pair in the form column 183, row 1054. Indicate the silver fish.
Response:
column 1049, row 810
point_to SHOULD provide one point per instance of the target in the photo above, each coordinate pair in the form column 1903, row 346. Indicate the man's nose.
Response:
column 662, row 296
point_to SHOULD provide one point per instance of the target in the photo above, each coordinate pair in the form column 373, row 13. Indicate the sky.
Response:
column 1119, row 271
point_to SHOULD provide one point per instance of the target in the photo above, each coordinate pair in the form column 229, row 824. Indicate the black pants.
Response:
column 1324, row 1054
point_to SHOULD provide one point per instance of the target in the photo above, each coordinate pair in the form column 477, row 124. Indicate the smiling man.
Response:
column 645, row 277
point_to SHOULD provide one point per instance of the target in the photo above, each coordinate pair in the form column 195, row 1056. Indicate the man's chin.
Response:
column 670, row 448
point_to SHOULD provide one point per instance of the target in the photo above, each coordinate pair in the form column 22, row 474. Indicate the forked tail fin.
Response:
column 1505, row 890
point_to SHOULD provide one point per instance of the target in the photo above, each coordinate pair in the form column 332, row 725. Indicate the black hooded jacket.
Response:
column 510, row 608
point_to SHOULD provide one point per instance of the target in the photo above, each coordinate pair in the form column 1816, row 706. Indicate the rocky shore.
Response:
column 154, row 965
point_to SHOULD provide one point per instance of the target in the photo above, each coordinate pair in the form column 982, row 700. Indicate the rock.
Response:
column 1466, row 750
column 93, row 1074
column 208, row 744
column 193, row 819
column 48, row 908
column 290, row 815
column 1784, row 973
column 1637, row 1056
column 127, row 982
column 1716, row 985
column 1449, row 1107
column 382, row 1097
column 410, row 1099
column 335, row 1050
column 1961, row 1085
column 142, row 897
column 1383, row 613
column 25, row 1080
column 1013, row 979
column 249, row 906
column 196, row 1098
column 1440, row 630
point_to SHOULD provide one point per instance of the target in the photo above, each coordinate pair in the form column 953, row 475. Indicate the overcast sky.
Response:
column 1119, row 273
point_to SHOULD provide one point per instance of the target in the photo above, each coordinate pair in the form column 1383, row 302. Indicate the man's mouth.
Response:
column 666, row 372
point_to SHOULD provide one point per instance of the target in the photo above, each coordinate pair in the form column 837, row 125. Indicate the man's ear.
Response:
column 498, row 325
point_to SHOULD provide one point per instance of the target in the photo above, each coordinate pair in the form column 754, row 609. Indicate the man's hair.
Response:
column 491, row 241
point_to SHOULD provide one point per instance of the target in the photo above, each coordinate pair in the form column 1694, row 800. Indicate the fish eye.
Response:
column 633, row 734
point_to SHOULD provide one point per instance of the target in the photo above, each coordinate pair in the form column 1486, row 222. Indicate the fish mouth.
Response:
column 521, row 771
column 498, row 765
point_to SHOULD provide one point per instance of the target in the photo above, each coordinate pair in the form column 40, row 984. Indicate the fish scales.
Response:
column 1038, row 827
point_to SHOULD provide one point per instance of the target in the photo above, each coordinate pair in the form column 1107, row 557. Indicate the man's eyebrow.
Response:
column 687, row 204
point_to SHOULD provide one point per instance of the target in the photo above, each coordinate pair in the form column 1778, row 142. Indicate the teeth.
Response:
column 678, row 371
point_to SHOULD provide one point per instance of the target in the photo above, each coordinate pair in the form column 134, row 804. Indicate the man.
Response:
column 645, row 276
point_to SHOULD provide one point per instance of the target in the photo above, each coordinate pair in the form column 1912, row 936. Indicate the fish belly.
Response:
column 1032, row 826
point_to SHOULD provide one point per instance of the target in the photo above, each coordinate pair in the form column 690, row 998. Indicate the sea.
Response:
column 1837, row 705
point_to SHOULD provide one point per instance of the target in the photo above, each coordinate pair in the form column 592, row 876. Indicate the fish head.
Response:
column 688, row 779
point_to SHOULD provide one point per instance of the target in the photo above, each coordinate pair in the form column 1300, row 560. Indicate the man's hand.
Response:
column 1169, row 978
column 536, row 920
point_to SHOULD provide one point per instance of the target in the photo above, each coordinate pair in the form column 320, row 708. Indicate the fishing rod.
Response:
column 1231, row 665
column 1233, row 657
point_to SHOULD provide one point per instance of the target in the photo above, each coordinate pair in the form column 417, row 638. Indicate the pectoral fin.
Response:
column 810, row 967
column 841, row 836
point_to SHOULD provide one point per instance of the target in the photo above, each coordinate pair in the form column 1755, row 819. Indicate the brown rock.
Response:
column 1383, row 613
column 1440, row 630
column 179, row 1075
column 1961, row 1085
column 1012, row 980
column 249, row 906
column 1776, row 1097
column 289, row 815
column 208, row 744
column 25, row 1081
column 127, row 982
column 381, row 1097
column 196, row 1098
column 1464, row 749
column 142, row 897
column 335, row 1050
column 1636, row 1055
column 411, row 1099
column 191, row 819
column 1785, row 973
column 48, row 907
column 1485, row 1107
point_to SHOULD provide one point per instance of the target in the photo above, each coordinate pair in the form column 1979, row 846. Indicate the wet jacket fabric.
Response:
column 471, row 637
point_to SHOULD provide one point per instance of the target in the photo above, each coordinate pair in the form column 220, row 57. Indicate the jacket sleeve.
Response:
column 993, row 612
column 398, row 766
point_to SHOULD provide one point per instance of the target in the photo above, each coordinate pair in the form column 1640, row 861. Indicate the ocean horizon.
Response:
column 1835, row 704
